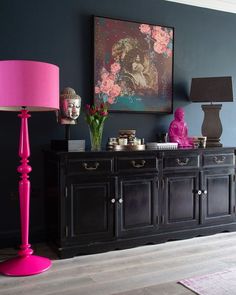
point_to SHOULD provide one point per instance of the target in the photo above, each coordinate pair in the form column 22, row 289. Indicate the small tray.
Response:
column 129, row 147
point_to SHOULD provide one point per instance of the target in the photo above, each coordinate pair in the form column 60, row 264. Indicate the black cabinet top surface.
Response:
column 104, row 153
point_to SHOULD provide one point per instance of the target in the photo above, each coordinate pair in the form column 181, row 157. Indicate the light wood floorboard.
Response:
column 146, row 270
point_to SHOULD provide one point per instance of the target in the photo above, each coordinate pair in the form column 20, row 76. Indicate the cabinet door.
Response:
column 180, row 199
column 90, row 209
column 137, row 205
column 218, row 201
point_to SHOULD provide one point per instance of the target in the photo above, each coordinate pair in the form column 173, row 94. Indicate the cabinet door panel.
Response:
column 91, row 211
column 218, row 202
column 139, row 205
column 218, row 187
column 181, row 203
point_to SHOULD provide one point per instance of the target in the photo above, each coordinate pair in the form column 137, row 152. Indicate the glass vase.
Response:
column 96, row 136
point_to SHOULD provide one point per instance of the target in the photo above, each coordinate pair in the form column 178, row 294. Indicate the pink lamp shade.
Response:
column 32, row 84
column 27, row 86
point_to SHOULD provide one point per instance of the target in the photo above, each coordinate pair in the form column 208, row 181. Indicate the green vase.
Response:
column 96, row 136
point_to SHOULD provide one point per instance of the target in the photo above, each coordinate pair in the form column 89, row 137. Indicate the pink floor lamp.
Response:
column 27, row 86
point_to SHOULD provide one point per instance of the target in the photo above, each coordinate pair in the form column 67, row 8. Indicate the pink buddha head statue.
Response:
column 179, row 114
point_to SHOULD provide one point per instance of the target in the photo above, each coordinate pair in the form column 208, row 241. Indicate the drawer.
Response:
column 75, row 166
column 188, row 161
column 137, row 163
column 221, row 159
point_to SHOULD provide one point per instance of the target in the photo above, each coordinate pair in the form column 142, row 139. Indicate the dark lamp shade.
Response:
column 211, row 89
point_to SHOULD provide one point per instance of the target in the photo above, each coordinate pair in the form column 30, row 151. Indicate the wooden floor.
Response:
column 146, row 270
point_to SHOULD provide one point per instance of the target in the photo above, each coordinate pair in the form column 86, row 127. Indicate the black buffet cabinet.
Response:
column 100, row 201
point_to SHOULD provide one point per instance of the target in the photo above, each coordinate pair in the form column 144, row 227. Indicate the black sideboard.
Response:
column 100, row 201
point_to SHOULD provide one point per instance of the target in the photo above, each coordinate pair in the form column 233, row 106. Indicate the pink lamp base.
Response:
column 25, row 265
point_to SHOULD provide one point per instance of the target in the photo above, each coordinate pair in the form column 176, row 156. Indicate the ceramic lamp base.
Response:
column 25, row 265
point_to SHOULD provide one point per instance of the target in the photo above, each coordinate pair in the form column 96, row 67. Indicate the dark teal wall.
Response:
column 60, row 32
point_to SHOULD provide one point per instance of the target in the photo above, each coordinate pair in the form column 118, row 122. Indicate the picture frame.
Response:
column 133, row 66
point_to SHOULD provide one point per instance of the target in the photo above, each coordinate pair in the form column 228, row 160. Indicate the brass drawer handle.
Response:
column 138, row 165
column 182, row 162
column 95, row 167
column 219, row 160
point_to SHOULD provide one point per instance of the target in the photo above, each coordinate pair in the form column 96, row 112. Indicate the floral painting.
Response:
column 133, row 66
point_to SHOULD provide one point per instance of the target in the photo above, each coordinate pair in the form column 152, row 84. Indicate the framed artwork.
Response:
column 133, row 66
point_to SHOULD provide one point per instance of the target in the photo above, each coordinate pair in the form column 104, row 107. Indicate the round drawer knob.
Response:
column 120, row 201
column 113, row 200
column 205, row 192
column 199, row 192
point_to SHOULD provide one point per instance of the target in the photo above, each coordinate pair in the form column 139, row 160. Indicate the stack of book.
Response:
column 161, row 145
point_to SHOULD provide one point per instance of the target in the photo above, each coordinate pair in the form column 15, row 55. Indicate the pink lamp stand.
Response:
column 24, row 86
column 25, row 264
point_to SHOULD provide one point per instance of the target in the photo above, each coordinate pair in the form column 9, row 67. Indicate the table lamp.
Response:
column 211, row 89
column 27, row 86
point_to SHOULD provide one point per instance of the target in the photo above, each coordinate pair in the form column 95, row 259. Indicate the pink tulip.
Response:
column 103, row 114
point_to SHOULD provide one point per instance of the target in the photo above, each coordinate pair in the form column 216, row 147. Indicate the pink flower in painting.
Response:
column 145, row 29
column 97, row 89
column 161, row 36
column 106, row 85
column 115, row 68
column 168, row 52
column 159, row 48
column 104, row 75
column 106, row 88
column 156, row 31
column 164, row 38
column 111, row 100
column 115, row 91
column 112, row 77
